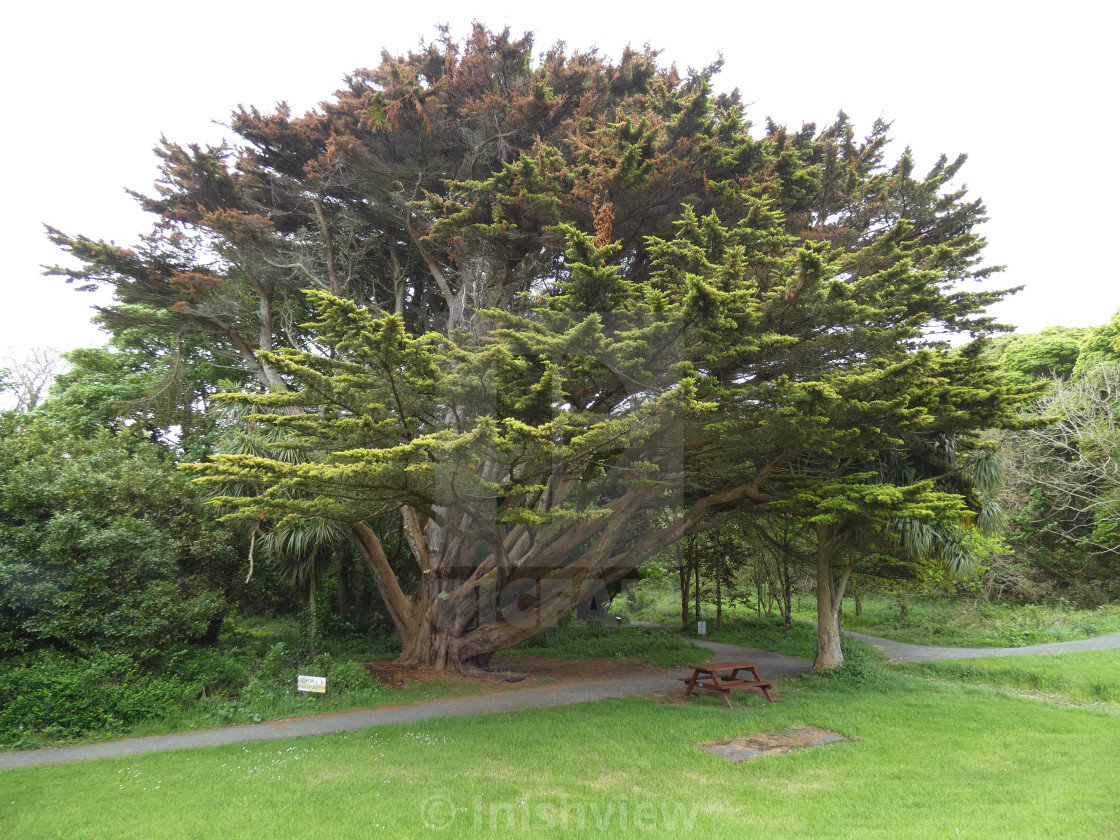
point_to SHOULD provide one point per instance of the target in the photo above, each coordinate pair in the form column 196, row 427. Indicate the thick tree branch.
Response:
column 402, row 609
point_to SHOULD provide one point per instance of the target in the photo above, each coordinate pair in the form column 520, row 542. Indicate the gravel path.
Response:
column 770, row 664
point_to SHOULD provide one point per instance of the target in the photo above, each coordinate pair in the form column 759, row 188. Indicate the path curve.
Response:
column 770, row 663
column 905, row 652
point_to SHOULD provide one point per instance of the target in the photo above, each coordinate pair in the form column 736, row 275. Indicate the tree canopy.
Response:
column 526, row 302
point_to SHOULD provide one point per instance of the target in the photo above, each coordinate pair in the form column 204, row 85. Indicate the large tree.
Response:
column 527, row 303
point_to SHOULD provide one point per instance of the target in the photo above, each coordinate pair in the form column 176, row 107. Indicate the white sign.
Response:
column 315, row 684
column 702, row 628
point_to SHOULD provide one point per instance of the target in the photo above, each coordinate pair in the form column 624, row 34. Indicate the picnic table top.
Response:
column 722, row 666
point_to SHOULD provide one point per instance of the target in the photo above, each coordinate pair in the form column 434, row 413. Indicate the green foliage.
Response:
column 209, row 670
column 349, row 678
column 102, row 545
column 1101, row 347
column 91, row 396
column 1052, row 353
column 862, row 666
column 48, row 695
column 975, row 622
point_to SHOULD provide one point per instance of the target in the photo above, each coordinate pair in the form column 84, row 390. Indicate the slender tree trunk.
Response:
column 685, row 574
column 328, row 246
column 787, row 593
column 719, row 600
column 829, row 653
column 697, row 566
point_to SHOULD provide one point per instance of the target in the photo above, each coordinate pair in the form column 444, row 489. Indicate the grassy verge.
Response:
column 606, row 641
column 955, row 622
column 966, row 622
column 768, row 633
column 1082, row 677
column 934, row 760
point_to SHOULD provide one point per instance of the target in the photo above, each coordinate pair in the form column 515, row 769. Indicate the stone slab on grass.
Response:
column 772, row 743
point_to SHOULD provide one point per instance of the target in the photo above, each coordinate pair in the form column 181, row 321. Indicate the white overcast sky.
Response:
column 1028, row 91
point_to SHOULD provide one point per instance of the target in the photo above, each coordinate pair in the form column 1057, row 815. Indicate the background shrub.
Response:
column 49, row 695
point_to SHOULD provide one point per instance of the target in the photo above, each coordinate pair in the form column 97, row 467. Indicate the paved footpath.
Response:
column 771, row 664
column 903, row 652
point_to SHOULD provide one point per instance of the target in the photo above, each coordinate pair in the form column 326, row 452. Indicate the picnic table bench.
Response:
column 708, row 678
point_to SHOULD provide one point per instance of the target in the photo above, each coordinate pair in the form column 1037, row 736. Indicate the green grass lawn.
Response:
column 967, row 622
column 935, row 759
column 594, row 640
column 768, row 633
column 1083, row 677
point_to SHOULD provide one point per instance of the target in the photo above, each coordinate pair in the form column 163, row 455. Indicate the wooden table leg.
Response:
column 725, row 693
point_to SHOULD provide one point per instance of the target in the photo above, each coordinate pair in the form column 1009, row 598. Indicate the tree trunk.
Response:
column 686, row 576
column 719, row 601
column 787, row 592
column 697, row 566
column 829, row 653
column 469, row 604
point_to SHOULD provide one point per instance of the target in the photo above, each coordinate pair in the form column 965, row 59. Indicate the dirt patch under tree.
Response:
column 508, row 672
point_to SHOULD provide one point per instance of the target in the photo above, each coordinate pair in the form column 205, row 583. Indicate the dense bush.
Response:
column 48, row 696
column 103, row 545
column 210, row 672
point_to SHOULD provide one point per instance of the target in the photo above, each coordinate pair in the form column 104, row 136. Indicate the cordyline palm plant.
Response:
column 302, row 553
column 301, row 550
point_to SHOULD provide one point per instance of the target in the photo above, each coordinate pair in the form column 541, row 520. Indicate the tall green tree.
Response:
column 523, row 303
column 1100, row 347
column 1051, row 353
column 911, row 503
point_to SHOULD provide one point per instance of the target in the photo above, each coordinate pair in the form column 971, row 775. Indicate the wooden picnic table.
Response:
column 709, row 678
